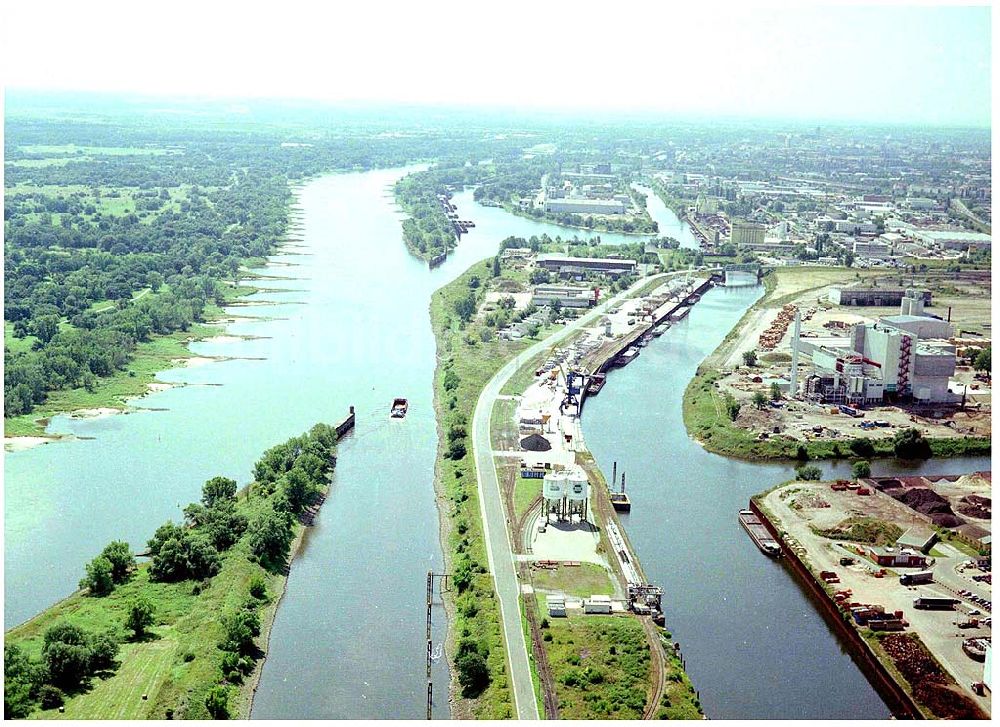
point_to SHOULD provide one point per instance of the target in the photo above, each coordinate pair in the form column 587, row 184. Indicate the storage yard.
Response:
column 874, row 546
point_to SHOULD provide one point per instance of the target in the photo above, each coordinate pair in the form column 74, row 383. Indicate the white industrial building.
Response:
column 586, row 206
column 566, row 493
column 872, row 249
column 906, row 354
column 954, row 239
column 566, row 296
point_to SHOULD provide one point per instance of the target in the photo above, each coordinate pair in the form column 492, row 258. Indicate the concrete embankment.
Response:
column 896, row 698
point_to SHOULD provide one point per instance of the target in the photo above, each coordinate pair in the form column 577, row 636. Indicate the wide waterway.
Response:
column 755, row 645
column 352, row 328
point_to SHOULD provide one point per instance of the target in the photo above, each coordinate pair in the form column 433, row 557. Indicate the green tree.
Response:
column 268, row 534
column 759, row 400
column 775, row 391
column 119, row 554
column 45, row 327
column 473, row 673
column 862, row 446
column 22, row 678
column 465, row 307
column 910, row 444
column 240, row 629
column 98, row 579
column 217, row 702
column 750, row 358
column 732, row 407
column 66, row 654
column 808, row 472
column 861, row 468
column 983, row 360
column 218, row 489
column 139, row 617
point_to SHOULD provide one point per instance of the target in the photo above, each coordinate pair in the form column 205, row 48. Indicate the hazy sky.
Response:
column 890, row 63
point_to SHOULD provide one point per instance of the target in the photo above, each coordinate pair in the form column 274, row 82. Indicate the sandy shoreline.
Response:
column 19, row 444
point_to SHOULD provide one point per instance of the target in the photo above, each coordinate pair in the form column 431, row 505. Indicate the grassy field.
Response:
column 583, row 580
column 601, row 666
column 179, row 662
column 526, row 490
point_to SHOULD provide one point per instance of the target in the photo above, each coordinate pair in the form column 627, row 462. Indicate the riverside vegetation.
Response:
column 181, row 635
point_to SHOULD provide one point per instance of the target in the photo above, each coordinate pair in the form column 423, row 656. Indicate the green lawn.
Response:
column 601, row 666
column 583, row 580
column 525, row 492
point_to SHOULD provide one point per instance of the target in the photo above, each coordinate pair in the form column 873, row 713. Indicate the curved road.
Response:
column 498, row 546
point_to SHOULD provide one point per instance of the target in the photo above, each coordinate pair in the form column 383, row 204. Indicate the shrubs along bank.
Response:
column 182, row 634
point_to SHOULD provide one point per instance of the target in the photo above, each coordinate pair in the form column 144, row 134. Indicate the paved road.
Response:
column 498, row 547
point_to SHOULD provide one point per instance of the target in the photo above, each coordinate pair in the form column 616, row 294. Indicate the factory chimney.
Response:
column 794, row 379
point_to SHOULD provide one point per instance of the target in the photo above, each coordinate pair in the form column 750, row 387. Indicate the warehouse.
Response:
column 872, row 296
column 566, row 296
column 586, row 206
column 579, row 265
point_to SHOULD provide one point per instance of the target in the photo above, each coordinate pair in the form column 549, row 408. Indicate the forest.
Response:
column 120, row 231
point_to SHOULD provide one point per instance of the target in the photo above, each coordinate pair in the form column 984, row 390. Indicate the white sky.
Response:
column 895, row 63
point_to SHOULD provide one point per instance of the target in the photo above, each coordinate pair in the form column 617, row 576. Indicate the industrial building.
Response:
column 954, row 239
column 566, row 296
column 891, row 557
column 567, row 266
column 872, row 249
column 905, row 354
column 872, row 296
column 566, row 493
column 586, row 206
column 746, row 233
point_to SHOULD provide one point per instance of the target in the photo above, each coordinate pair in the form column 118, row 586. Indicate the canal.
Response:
column 755, row 645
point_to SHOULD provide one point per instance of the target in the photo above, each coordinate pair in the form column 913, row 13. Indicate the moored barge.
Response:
column 758, row 533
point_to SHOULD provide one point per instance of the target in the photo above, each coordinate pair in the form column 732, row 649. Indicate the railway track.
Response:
column 659, row 666
column 546, row 679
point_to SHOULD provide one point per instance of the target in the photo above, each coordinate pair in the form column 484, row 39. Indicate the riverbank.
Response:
column 171, row 671
column 914, row 658
column 597, row 229
column 140, row 377
column 708, row 395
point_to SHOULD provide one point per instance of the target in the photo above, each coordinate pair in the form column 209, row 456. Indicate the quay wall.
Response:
column 899, row 701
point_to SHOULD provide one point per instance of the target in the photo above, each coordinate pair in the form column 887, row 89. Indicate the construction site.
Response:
column 882, row 562
column 834, row 371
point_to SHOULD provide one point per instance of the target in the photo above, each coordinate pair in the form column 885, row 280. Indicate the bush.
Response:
column 473, row 673
column 51, row 697
column 456, row 450
column 21, row 679
column 910, row 444
column 217, row 702
column 258, row 589
column 119, row 554
column 860, row 469
column 862, row 446
column 809, row 472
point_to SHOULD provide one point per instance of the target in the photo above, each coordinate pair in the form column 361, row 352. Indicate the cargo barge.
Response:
column 596, row 383
column 759, row 534
column 680, row 314
column 626, row 358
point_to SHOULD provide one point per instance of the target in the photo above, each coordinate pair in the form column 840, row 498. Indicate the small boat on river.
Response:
column 399, row 408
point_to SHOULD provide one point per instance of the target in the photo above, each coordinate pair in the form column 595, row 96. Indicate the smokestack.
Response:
column 614, row 475
column 794, row 379
column 949, row 314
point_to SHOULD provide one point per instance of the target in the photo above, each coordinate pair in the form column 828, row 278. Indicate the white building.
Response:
column 586, row 206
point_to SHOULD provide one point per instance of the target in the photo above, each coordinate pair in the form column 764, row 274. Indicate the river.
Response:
column 352, row 328
column 755, row 645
